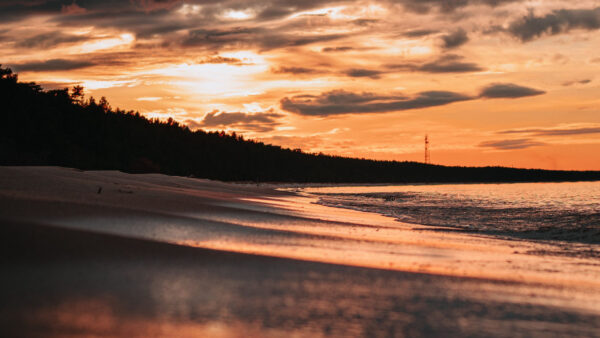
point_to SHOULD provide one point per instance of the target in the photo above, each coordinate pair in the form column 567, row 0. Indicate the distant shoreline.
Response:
column 288, row 185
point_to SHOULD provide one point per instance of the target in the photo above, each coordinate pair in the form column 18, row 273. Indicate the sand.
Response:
column 113, row 254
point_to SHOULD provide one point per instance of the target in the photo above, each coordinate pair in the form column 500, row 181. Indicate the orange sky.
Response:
column 493, row 82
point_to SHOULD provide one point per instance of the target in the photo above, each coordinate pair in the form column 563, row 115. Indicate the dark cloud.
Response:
column 337, row 49
column 342, row 102
column 364, row 22
column 203, row 27
column 222, row 38
column 417, row 33
column 508, row 90
column 449, row 63
column 511, row 144
column 277, row 9
column 294, row 70
column 574, row 82
column 339, row 102
column 251, row 36
column 554, row 132
column 48, row 40
column 271, row 13
column 455, row 39
column 259, row 122
column 153, row 5
column 221, row 59
column 265, row 9
column 425, row 6
column 361, row 72
column 16, row 10
column 559, row 21
column 51, row 65
column 294, row 40
column 127, row 17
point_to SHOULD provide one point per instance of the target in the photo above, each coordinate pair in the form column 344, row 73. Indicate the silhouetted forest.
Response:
column 61, row 128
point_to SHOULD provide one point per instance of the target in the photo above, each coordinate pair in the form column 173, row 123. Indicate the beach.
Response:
column 104, row 253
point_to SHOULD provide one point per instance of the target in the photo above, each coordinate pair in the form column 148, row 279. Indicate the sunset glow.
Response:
column 506, row 82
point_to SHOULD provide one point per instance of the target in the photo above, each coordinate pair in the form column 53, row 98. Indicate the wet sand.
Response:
column 138, row 258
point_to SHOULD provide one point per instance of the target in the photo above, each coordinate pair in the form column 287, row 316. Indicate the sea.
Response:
column 563, row 212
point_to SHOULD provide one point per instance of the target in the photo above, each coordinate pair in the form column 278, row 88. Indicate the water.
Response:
column 542, row 211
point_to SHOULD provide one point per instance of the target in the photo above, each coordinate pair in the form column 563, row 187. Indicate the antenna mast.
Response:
column 427, row 156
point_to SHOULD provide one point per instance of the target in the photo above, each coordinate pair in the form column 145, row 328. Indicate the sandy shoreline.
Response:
column 134, row 258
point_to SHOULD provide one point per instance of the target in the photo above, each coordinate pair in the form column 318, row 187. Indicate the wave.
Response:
column 477, row 215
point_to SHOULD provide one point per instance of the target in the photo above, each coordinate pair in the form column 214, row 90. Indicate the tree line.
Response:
column 62, row 128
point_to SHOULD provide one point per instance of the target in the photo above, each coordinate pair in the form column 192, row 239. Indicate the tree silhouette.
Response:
column 7, row 74
column 56, row 127
column 103, row 104
column 77, row 94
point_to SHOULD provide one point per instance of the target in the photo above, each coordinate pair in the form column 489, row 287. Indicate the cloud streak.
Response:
column 515, row 144
column 561, row 21
column 51, row 65
column 448, row 63
column 49, row 40
column 554, row 131
column 295, row 70
column 455, row 39
column 339, row 102
column 257, row 122
column 446, row 6
column 361, row 72
column 508, row 90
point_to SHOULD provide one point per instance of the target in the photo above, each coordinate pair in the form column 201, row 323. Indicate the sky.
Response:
column 491, row 82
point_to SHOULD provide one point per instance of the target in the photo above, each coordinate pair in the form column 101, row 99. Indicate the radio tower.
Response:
column 427, row 157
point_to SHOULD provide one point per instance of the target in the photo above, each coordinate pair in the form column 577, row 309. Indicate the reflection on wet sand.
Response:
column 184, row 257
column 80, row 284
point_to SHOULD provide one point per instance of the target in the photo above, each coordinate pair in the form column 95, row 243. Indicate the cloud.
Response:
column 338, row 102
column 508, row 90
column 241, row 37
column 424, row 6
column 258, row 122
column 554, row 131
column 449, row 63
column 337, row 49
column 455, row 39
column 49, row 40
column 559, row 21
column 221, row 59
column 51, row 65
column 360, row 72
column 153, row 5
column 522, row 143
column 582, row 82
column 277, row 9
column 417, row 33
column 364, row 22
column 16, row 10
column 207, row 37
column 294, row 70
